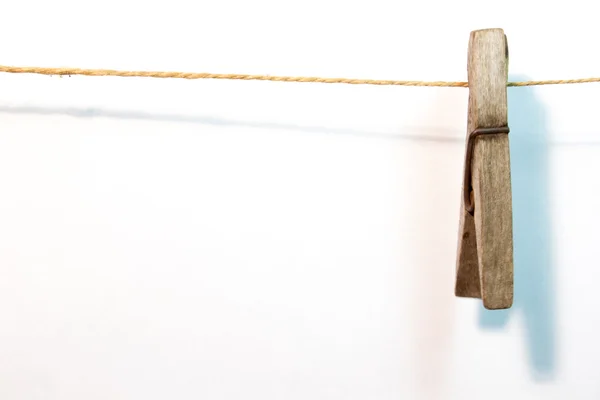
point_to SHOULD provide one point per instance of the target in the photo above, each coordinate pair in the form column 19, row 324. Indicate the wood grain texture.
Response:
column 485, row 246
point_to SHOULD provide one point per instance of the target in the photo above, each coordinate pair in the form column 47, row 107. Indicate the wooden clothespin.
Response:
column 485, row 242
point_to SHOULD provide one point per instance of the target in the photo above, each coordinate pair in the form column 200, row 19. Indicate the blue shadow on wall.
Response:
column 532, row 227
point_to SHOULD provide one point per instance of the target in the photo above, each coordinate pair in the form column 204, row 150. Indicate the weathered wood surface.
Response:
column 485, row 245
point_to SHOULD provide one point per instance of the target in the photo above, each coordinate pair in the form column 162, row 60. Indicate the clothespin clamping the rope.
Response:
column 485, row 243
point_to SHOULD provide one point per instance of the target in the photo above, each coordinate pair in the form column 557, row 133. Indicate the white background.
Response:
column 172, row 239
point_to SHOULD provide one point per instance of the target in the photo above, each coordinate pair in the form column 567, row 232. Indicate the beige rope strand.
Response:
column 553, row 82
column 206, row 75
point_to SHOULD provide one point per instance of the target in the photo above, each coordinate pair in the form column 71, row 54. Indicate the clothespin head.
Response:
column 485, row 244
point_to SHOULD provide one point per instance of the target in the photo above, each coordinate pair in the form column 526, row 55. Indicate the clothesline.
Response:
column 302, row 79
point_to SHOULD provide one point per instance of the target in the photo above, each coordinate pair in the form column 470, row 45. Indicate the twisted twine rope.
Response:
column 206, row 75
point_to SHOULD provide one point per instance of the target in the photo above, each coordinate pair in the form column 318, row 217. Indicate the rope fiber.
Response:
column 206, row 75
